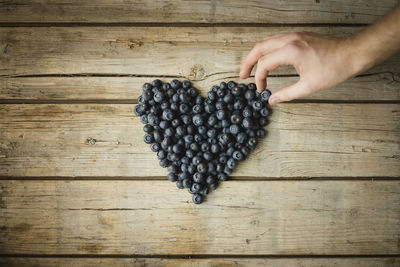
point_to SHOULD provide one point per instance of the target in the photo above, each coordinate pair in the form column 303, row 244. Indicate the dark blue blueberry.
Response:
column 172, row 177
column 169, row 131
column 186, row 84
column 143, row 119
column 209, row 108
column 231, row 85
column 257, row 105
column 213, row 186
column 197, row 199
column 192, row 169
column 241, row 137
column 260, row 133
column 232, row 163
column 264, row 96
column 222, row 177
column 264, row 112
column 179, row 184
column 228, row 98
column 148, row 128
column 228, row 170
column 187, row 183
column 201, row 168
column 164, row 163
column 234, row 129
column 198, row 120
column 139, row 110
column 212, row 133
column 184, row 97
column 197, row 109
column 223, row 159
column 237, row 91
column 176, row 122
column 210, row 179
column 202, row 130
column 196, row 187
column 161, row 154
column 175, row 84
column 148, row 138
column 221, row 114
column 215, row 148
column 198, row 178
column 237, row 155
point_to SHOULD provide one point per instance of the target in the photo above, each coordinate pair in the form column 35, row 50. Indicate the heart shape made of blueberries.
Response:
column 201, row 140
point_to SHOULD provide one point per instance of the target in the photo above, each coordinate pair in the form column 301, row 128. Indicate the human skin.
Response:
column 321, row 61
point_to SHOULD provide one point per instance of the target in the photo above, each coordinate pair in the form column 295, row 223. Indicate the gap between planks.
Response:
column 163, row 178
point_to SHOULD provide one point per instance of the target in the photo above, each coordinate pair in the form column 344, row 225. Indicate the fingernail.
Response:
column 273, row 100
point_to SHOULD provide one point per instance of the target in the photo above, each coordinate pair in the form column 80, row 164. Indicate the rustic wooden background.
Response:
column 79, row 187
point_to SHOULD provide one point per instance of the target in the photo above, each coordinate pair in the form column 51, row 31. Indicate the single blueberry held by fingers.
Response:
column 264, row 96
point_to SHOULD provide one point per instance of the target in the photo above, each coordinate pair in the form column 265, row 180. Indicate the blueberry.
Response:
column 176, row 122
column 155, row 147
column 148, row 128
column 212, row 96
column 197, row 109
column 225, row 123
column 192, row 92
column 212, row 120
column 247, row 123
column 220, row 167
column 221, row 92
column 202, row 168
column 179, row 184
column 169, row 131
column 198, row 177
column 186, row 84
column 262, row 121
column 212, row 133
column 215, row 148
column 264, row 96
column 139, row 110
column 184, row 168
column 237, row 90
column 175, row 84
column 173, row 169
column 180, row 131
column 147, row 87
column 220, row 105
column 252, row 86
column 221, row 114
column 164, row 163
column 237, row 155
column 197, row 199
column 196, row 187
column 148, row 138
column 257, row 105
column 172, row 177
column 158, row 97
column 192, row 169
column 210, row 179
column 264, row 112
column 195, row 146
column 249, row 94
column 199, row 100
column 213, row 186
column 186, row 183
column 177, row 148
column 260, row 133
column 186, row 119
column 241, row 137
column 231, row 84
column 205, row 147
column 234, row 129
column 222, row 177
column 209, row 108
column 170, row 92
column 230, row 151
column 198, row 120
column 238, row 104
column 174, row 106
column 223, row 159
column 166, row 86
column 183, row 108
column 208, row 156
column 204, row 191
column 143, row 119
column 202, row 130
column 228, row 170
column 161, row 154
column 236, row 118
column 231, row 164
column 228, row 98
column 191, row 129
column 196, row 160
column 156, row 83
column 158, row 137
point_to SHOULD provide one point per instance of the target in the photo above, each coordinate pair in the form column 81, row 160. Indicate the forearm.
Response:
column 377, row 42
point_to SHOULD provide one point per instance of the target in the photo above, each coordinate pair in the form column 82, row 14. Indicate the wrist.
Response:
column 357, row 54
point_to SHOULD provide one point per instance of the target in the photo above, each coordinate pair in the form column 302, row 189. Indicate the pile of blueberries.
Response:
column 201, row 140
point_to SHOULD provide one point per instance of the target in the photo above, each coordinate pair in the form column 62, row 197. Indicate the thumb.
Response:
column 288, row 93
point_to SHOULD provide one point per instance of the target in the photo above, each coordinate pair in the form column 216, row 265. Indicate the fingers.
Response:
column 290, row 92
column 282, row 56
column 262, row 48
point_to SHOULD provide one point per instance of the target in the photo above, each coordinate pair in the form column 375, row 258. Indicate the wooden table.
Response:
column 80, row 187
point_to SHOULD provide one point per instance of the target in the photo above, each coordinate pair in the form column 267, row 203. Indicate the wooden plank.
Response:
column 384, row 86
column 267, row 11
column 240, row 218
column 157, row 262
column 191, row 52
column 304, row 140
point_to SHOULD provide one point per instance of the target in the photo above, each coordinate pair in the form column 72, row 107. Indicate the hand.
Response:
column 321, row 61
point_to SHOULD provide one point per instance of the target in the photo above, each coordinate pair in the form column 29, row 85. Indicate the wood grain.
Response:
column 188, row 52
column 304, row 140
column 379, row 87
column 240, row 218
column 226, row 262
column 257, row 11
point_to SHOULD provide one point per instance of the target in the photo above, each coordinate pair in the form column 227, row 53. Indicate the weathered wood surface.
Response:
column 225, row 262
column 240, row 218
column 304, row 140
column 190, row 52
column 385, row 86
column 257, row 11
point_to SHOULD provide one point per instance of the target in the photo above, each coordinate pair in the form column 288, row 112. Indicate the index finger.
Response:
column 262, row 48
